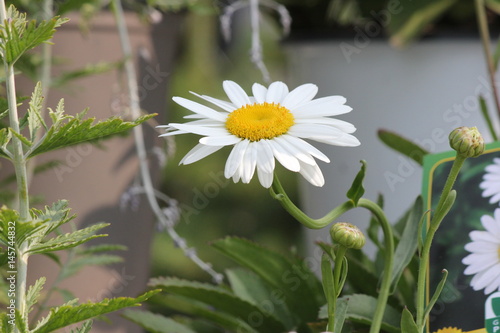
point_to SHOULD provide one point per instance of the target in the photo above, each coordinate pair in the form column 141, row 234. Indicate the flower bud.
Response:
column 348, row 235
column 467, row 141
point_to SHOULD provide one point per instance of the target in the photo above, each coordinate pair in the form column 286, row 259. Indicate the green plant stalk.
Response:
column 389, row 262
column 278, row 193
column 433, row 227
column 21, row 178
column 485, row 40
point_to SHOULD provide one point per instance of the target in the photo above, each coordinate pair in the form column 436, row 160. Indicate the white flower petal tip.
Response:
column 483, row 262
column 269, row 126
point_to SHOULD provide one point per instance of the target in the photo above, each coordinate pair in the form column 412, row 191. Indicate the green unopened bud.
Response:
column 467, row 141
column 348, row 235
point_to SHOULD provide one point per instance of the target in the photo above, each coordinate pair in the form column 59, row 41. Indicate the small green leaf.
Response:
column 21, row 137
column 20, row 35
column 72, row 267
column 67, row 240
column 408, row 323
column 328, row 286
column 436, row 295
column 155, row 323
column 90, row 69
column 486, row 114
column 35, row 119
column 5, row 137
column 34, row 293
column 340, row 314
column 222, row 300
column 441, row 212
column 357, row 190
column 408, row 243
column 70, row 314
column 85, row 328
column 73, row 130
column 403, row 146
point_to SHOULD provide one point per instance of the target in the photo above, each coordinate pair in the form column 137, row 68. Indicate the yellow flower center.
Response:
column 259, row 121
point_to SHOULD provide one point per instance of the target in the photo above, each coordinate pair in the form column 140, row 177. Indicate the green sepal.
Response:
column 408, row 324
column 19, row 35
column 357, row 190
column 66, row 315
column 221, row 299
column 403, row 146
column 155, row 323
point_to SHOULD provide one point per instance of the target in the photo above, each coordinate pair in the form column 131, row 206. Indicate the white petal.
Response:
column 235, row 157
column 322, row 107
column 312, row 174
column 300, row 95
column 347, row 140
column 284, row 157
column 277, row 92
column 301, row 155
column 236, row 94
column 226, row 140
column 220, row 103
column 306, row 147
column 265, row 178
column 200, row 130
column 265, row 157
column 259, row 92
column 342, row 125
column 200, row 109
column 198, row 152
column 249, row 163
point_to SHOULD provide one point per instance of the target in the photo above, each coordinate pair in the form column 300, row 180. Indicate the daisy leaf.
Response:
column 408, row 323
column 69, row 130
column 403, row 145
column 357, row 190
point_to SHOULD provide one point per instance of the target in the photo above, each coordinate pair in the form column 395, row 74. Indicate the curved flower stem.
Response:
column 438, row 216
column 277, row 192
column 485, row 39
column 135, row 109
column 389, row 261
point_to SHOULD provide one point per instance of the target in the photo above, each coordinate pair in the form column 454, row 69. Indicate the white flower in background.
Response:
column 484, row 260
column 270, row 124
column 491, row 181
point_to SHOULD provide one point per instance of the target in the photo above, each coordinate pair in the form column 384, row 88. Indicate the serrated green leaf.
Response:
column 301, row 289
column 34, row 293
column 67, row 240
column 204, row 311
column 408, row 243
column 155, row 323
column 221, row 299
column 5, row 137
column 78, row 263
column 70, row 314
column 20, row 35
column 101, row 248
column 403, row 146
column 408, row 323
column 85, row 328
column 90, row 69
column 357, row 190
column 21, row 137
column 73, row 131
column 250, row 287
column 35, row 119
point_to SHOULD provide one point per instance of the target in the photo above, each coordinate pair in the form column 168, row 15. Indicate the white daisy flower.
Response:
column 270, row 124
column 491, row 181
column 484, row 260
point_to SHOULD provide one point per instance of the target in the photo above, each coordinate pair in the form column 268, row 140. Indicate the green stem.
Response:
column 389, row 262
column 279, row 193
column 21, row 178
column 485, row 40
column 431, row 231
